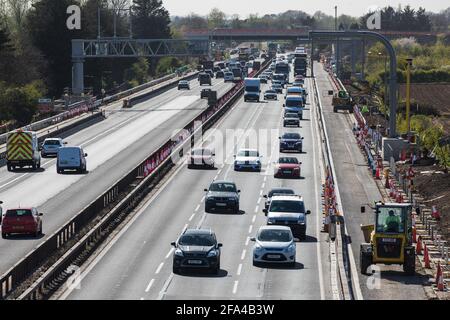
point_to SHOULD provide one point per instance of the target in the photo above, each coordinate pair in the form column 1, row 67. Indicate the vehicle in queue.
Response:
column 184, row 84
column 51, row 146
column 201, row 157
column 277, row 88
column 288, row 210
column 22, row 221
column 204, row 78
column 263, row 78
column 22, row 150
column 274, row 244
column 294, row 104
column 276, row 192
column 197, row 249
column 228, row 76
column 247, row 159
column 270, row 95
column 252, row 89
column 288, row 167
column 222, row 196
column 291, row 141
column 71, row 158
column 220, row 74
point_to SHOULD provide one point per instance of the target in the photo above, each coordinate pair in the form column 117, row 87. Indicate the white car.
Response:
column 247, row 159
column 274, row 244
column 228, row 77
column 51, row 146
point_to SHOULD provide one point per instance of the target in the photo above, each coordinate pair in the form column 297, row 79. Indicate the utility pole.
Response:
column 408, row 93
column 335, row 18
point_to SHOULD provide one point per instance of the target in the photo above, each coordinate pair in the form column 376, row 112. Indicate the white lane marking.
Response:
column 254, row 219
column 185, row 227
column 165, row 286
column 260, row 193
column 256, row 209
column 192, row 217
column 247, row 241
column 197, row 208
column 235, row 287
column 318, row 207
column 259, row 200
column 239, row 270
column 265, row 178
column 243, row 254
column 150, row 284
column 159, row 268
column 201, row 221
column 250, row 229
column 170, row 253
column 203, row 199
column 219, row 172
column 263, row 186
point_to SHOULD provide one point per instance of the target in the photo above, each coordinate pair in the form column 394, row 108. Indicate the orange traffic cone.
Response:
column 426, row 257
column 419, row 246
column 435, row 213
column 377, row 174
column 440, row 278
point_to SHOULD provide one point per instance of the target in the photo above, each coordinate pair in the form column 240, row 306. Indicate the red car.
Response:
column 22, row 221
column 288, row 167
column 201, row 157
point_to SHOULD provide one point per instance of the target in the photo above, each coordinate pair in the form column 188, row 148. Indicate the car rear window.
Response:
column 19, row 213
column 52, row 143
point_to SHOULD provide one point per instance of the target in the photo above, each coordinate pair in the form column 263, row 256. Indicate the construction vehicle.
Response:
column 22, row 150
column 342, row 101
column 389, row 240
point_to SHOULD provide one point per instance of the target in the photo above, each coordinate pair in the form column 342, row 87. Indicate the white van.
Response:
column 71, row 158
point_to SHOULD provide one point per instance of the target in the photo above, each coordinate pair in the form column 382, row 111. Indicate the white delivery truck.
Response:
column 252, row 89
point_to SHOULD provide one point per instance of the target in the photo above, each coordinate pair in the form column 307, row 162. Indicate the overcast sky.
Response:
column 245, row 7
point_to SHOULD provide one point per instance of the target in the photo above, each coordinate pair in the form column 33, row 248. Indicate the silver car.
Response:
column 274, row 244
column 51, row 146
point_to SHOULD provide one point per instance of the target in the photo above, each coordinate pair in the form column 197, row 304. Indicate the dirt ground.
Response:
column 434, row 186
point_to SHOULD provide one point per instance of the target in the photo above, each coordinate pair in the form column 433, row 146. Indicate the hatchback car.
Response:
column 291, row 119
column 22, row 221
column 270, row 95
column 220, row 74
column 201, row 157
column 247, row 159
column 291, row 141
column 71, row 158
column 50, row 146
column 210, row 72
column 183, row 84
column 277, row 88
column 263, row 78
column 228, row 77
column 197, row 249
column 288, row 167
column 274, row 244
column 222, row 195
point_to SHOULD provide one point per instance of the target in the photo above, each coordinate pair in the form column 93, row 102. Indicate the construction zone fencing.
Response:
column 55, row 260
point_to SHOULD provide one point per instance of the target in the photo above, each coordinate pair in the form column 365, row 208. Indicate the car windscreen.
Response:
column 248, row 153
column 52, row 143
column 222, row 187
column 18, row 213
column 280, row 191
column 288, row 160
column 287, row 206
column 275, row 236
column 291, row 136
column 203, row 240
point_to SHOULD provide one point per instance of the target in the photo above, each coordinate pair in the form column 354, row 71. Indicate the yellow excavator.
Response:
column 389, row 240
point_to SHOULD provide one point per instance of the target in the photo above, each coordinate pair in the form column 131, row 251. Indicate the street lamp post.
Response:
column 408, row 93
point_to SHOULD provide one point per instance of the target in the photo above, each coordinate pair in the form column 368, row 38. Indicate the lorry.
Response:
column 342, row 101
column 237, row 73
column 208, row 64
column 282, row 67
column 273, row 49
column 252, row 89
column 22, row 150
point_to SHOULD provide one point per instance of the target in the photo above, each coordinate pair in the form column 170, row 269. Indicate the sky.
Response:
column 246, row 7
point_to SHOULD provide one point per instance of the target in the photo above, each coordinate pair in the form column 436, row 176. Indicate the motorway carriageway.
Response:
column 115, row 146
column 137, row 262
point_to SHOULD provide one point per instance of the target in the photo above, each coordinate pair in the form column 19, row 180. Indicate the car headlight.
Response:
column 232, row 199
column 179, row 253
column 270, row 221
column 212, row 253
column 258, row 247
column 291, row 248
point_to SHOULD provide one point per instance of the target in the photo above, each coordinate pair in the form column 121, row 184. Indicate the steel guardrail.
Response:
column 58, row 241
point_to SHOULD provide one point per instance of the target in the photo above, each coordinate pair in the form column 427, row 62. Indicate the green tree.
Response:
column 216, row 19
column 138, row 72
column 150, row 19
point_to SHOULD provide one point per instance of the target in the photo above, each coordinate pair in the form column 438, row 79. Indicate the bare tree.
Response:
column 119, row 5
column 18, row 10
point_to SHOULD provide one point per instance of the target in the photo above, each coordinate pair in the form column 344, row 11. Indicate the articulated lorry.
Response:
column 22, row 150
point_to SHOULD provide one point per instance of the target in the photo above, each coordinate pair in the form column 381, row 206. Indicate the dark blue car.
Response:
column 291, row 141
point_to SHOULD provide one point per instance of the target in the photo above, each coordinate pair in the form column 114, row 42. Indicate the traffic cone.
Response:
column 440, row 278
column 419, row 246
column 426, row 257
column 377, row 174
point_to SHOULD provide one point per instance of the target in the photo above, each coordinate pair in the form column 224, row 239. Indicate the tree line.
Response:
column 35, row 49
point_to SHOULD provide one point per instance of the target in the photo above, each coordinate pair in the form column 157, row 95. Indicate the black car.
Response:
column 291, row 119
column 197, row 249
column 276, row 191
column 204, row 78
column 205, row 93
column 222, row 195
column 210, row 72
column 220, row 74
column 291, row 141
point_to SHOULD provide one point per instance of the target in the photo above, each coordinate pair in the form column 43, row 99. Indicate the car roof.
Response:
column 52, row 139
column 291, row 97
column 296, row 133
column 25, row 208
column 69, row 148
column 281, row 189
column 291, row 197
column 222, row 181
column 274, row 228
column 199, row 231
